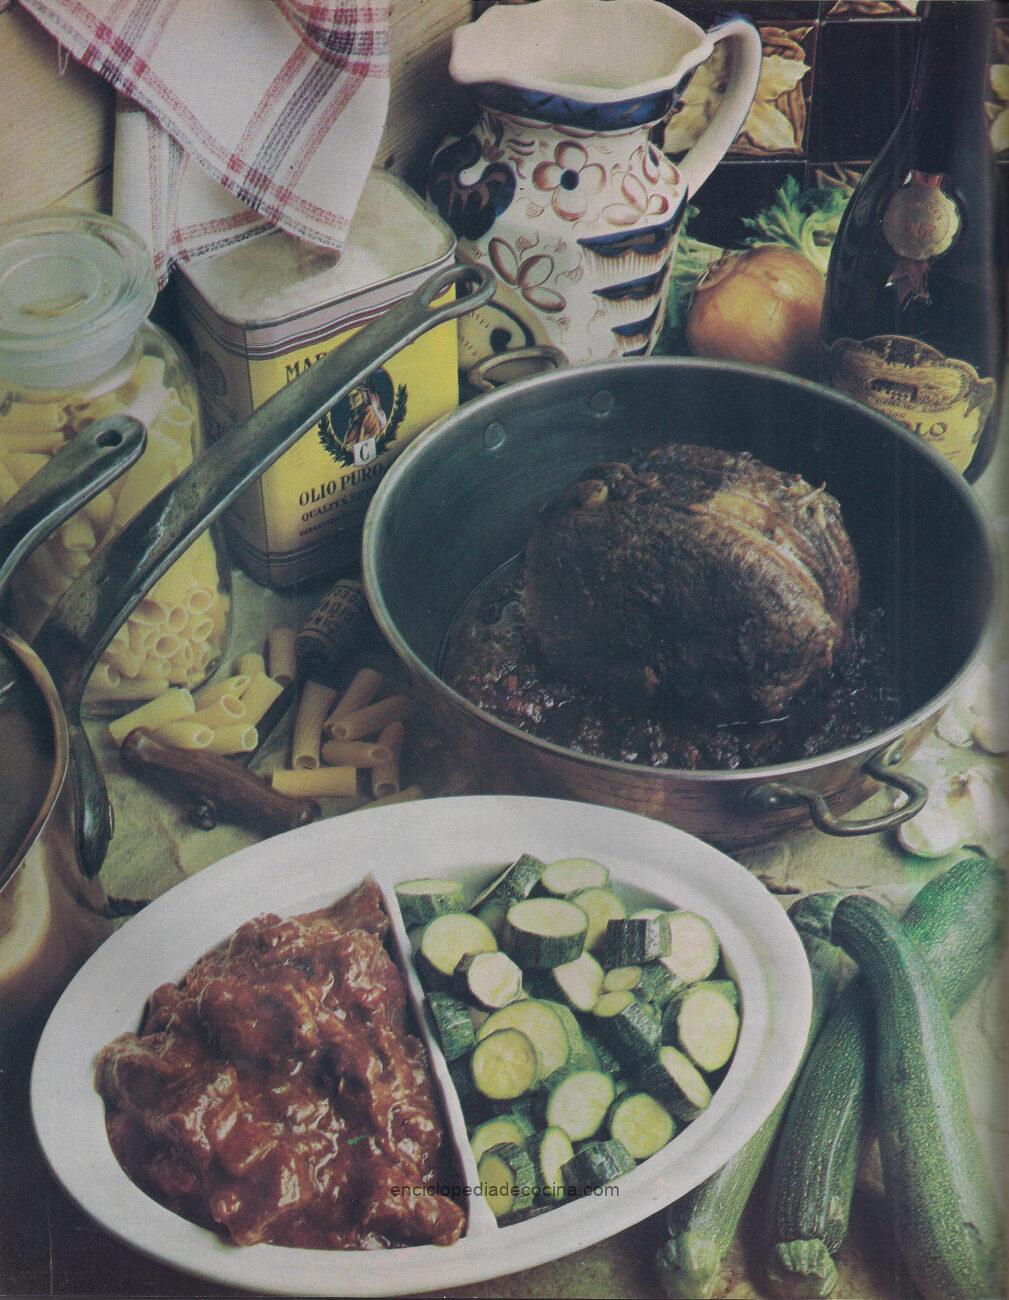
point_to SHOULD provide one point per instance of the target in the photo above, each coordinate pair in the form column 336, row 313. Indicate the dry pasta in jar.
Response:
column 75, row 346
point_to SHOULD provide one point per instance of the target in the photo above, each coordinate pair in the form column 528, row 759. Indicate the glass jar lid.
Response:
column 74, row 289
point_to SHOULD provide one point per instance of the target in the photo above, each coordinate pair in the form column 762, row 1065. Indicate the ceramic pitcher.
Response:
column 558, row 187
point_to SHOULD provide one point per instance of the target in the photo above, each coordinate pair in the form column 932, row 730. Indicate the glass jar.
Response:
column 76, row 345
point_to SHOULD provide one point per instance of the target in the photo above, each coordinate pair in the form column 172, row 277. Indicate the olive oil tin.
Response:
column 259, row 314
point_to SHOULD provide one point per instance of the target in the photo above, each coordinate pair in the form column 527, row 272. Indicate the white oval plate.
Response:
column 308, row 868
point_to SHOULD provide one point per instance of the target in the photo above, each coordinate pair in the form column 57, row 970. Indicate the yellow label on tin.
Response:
column 943, row 400
column 320, row 488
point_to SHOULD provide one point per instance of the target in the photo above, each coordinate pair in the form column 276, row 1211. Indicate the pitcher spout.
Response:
column 602, row 52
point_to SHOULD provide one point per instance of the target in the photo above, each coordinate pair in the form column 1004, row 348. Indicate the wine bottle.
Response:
column 913, row 320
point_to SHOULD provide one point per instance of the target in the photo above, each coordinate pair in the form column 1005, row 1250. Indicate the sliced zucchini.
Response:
column 452, row 1024
column 422, row 900
column 551, row 1150
column 493, row 916
column 694, row 948
column 576, row 1040
column 580, row 1102
column 568, row 875
column 447, row 939
column 474, row 1107
column 674, row 1080
column 633, row 940
column 608, row 1062
column 520, row 1216
column 490, row 978
column 504, row 1065
column 704, row 1021
column 544, row 932
column 641, row 1123
column 528, row 1107
column 648, row 913
column 513, row 1127
column 658, row 984
column 515, row 882
column 631, row 1027
column 601, row 905
column 621, row 979
column 578, row 983
column 595, row 1165
column 507, row 1179
column 541, row 1024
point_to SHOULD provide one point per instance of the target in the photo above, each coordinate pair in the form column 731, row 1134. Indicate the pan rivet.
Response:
column 494, row 436
column 602, row 403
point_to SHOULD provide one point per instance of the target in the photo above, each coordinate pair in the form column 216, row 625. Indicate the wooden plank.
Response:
column 424, row 103
column 55, row 131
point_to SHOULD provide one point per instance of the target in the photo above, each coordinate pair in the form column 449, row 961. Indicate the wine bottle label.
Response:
column 943, row 400
column 920, row 223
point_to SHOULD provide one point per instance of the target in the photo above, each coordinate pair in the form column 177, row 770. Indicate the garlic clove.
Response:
column 983, row 811
column 934, row 832
column 991, row 732
column 956, row 724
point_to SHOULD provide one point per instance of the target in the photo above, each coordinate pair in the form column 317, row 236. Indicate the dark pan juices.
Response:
column 489, row 660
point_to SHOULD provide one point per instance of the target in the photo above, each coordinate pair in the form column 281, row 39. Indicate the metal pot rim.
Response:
column 37, row 671
column 598, row 372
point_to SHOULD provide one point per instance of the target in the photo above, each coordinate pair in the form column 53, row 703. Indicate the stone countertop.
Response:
column 155, row 848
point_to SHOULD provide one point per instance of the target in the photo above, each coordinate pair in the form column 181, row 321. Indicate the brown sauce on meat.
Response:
column 275, row 1095
column 488, row 659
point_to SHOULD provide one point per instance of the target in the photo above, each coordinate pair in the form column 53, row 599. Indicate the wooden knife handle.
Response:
column 237, row 794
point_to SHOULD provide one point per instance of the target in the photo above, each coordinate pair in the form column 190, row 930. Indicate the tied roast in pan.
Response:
column 689, row 607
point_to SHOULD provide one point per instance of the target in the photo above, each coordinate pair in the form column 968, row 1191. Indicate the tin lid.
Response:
column 276, row 276
column 74, row 289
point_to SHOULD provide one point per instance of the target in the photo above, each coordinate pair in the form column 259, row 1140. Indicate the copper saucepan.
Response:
column 53, row 911
column 461, row 502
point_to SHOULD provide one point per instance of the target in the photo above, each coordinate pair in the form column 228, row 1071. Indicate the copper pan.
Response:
column 462, row 500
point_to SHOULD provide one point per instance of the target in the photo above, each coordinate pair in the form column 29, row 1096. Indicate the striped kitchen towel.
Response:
column 234, row 115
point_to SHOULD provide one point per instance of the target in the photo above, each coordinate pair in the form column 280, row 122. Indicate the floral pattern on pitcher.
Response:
column 557, row 187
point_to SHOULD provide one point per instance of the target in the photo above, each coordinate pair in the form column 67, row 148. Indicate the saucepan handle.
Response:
column 78, row 472
column 783, row 794
column 80, row 627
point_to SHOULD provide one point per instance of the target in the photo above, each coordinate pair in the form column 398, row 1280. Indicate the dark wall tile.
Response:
column 863, row 79
column 736, row 190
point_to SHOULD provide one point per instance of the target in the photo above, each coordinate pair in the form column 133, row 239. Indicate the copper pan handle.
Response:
column 81, row 469
column 783, row 794
column 80, row 627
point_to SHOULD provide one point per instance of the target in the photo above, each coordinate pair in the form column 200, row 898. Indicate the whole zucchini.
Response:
column 702, row 1224
column 945, row 1218
column 958, row 919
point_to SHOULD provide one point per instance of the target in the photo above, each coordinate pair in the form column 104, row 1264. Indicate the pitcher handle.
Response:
column 702, row 158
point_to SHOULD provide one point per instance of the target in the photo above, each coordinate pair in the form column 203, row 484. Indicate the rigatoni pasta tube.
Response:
column 385, row 777
column 250, row 664
column 187, row 733
column 364, row 686
column 319, row 782
column 370, row 720
column 224, row 712
column 259, row 695
column 355, row 753
column 239, row 738
column 316, row 701
column 169, row 707
column 206, row 695
column 280, row 654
